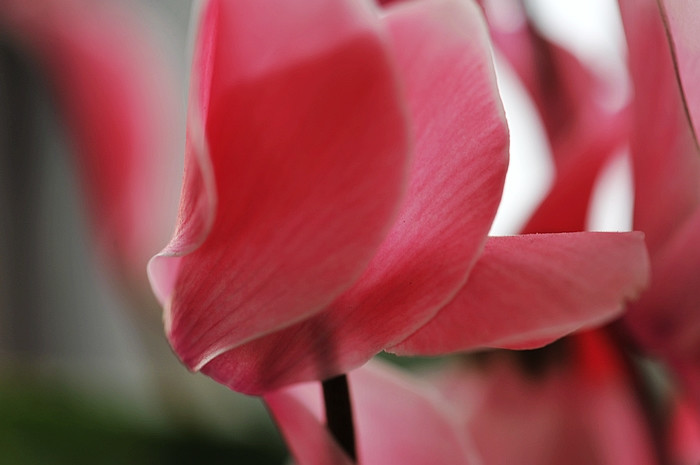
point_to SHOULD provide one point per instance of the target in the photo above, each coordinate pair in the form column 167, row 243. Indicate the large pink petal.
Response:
column 526, row 291
column 666, row 159
column 686, row 372
column 454, row 189
column 397, row 421
column 117, row 96
column 682, row 18
column 297, row 156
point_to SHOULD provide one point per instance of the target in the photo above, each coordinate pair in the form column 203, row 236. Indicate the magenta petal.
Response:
column 297, row 156
column 665, row 156
column 397, row 421
column 454, row 189
column 526, row 291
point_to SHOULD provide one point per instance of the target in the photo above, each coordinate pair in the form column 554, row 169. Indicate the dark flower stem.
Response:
column 336, row 396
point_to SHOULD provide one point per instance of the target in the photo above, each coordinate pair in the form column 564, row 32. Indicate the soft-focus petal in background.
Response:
column 89, row 169
column 300, row 161
column 527, row 291
column 575, row 405
column 666, row 163
column 399, row 419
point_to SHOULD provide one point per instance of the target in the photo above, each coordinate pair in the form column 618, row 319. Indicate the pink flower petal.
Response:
column 570, row 97
column 454, row 189
column 667, row 181
column 303, row 428
column 684, row 440
column 297, row 156
column 685, row 370
column 666, row 318
column 682, row 18
column 666, row 159
column 579, row 411
column 397, row 421
column 665, row 321
column 526, row 291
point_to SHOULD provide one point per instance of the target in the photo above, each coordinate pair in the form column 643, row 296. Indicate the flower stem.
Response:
column 336, row 396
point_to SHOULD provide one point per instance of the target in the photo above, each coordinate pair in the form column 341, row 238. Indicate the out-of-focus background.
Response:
column 86, row 375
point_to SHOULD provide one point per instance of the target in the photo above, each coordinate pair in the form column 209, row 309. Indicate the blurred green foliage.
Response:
column 45, row 424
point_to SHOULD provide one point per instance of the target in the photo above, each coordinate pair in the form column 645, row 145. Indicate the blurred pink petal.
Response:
column 666, row 319
column 666, row 159
column 456, row 179
column 526, row 291
column 682, row 16
column 454, row 188
column 118, row 97
column 397, row 421
column 581, row 157
column 580, row 409
column 297, row 154
column 684, row 440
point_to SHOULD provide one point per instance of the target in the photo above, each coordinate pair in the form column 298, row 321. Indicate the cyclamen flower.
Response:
column 344, row 164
